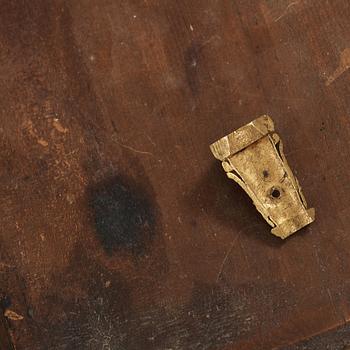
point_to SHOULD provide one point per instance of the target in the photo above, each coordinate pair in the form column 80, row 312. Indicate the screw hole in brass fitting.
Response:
column 275, row 193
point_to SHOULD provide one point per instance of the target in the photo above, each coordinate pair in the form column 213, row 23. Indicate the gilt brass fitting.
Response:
column 253, row 157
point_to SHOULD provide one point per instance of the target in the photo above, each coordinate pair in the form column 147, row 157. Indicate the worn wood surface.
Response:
column 118, row 228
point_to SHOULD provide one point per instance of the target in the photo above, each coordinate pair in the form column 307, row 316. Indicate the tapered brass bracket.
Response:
column 253, row 157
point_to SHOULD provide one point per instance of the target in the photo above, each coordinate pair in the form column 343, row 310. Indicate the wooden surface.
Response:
column 118, row 227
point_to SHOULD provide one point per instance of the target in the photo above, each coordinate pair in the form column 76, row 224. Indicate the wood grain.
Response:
column 118, row 229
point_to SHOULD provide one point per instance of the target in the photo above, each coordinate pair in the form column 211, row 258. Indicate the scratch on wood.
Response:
column 208, row 41
column 150, row 140
column 286, row 10
column 344, row 65
column 225, row 259
column 230, row 251
column 244, row 253
column 336, row 311
column 133, row 149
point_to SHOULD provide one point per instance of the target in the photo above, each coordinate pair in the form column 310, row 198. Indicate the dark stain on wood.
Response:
column 124, row 216
column 5, row 302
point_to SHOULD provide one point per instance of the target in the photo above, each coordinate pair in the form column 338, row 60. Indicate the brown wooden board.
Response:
column 119, row 229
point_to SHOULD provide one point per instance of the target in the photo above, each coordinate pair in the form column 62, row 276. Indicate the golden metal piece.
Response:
column 253, row 157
